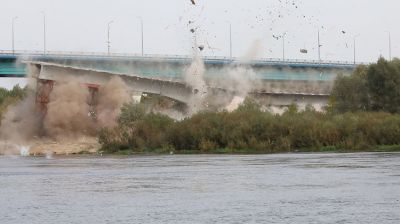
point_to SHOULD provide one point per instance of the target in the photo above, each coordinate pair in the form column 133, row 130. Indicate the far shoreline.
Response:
column 127, row 153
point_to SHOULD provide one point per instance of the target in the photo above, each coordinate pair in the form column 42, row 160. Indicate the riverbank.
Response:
column 91, row 147
column 383, row 148
column 45, row 147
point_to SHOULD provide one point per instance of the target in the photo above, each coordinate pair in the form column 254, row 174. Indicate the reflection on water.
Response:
column 300, row 188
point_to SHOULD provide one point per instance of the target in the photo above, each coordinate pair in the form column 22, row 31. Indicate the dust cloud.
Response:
column 239, row 78
column 73, row 117
column 67, row 112
column 194, row 77
column 21, row 122
column 111, row 97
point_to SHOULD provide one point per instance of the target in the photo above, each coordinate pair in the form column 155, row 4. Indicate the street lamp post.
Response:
column 142, row 34
column 354, row 47
column 390, row 45
column 108, row 36
column 44, row 33
column 13, row 34
column 141, row 26
column 283, row 47
column 319, row 47
column 230, row 40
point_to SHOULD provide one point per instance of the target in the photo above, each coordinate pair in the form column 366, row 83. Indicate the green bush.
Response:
column 136, row 131
column 248, row 129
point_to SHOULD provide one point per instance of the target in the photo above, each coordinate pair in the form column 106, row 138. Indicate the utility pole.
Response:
column 44, row 33
column 108, row 37
column 13, row 34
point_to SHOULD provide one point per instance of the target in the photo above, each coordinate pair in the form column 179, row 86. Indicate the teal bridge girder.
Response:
column 173, row 66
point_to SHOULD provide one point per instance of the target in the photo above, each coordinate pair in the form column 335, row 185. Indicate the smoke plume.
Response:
column 194, row 77
column 70, row 123
column 111, row 97
column 68, row 111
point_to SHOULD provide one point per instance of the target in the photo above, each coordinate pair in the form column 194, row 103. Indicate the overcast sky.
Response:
column 81, row 25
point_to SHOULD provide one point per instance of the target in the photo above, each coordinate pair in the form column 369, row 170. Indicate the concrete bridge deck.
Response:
column 174, row 58
column 270, row 94
column 172, row 66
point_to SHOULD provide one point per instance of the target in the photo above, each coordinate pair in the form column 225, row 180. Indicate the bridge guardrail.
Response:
column 174, row 57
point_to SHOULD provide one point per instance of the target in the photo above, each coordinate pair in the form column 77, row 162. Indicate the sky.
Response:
column 81, row 26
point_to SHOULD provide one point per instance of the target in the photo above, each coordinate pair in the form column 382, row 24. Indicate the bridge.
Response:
column 172, row 65
column 278, row 82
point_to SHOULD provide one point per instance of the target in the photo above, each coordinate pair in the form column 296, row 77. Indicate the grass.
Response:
column 388, row 148
column 227, row 151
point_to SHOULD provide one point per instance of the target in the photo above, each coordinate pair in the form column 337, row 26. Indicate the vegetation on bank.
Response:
column 8, row 97
column 250, row 130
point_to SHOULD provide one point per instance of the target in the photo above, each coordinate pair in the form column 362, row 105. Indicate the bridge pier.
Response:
column 43, row 90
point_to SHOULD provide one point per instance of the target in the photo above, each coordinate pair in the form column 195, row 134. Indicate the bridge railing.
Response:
column 171, row 57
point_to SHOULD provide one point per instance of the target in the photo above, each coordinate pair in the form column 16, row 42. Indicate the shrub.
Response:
column 248, row 129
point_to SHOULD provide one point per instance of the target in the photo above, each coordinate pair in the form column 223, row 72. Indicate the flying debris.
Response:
column 192, row 30
column 344, row 32
column 303, row 51
column 193, row 2
column 201, row 47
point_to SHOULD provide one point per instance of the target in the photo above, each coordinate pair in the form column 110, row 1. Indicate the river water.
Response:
column 288, row 188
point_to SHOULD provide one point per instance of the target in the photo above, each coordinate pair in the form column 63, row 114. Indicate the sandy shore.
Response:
column 51, row 146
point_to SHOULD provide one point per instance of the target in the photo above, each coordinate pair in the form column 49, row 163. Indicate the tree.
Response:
column 350, row 94
column 383, row 81
column 130, row 114
column 370, row 88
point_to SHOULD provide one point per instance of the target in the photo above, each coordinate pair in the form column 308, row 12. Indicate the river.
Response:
column 286, row 188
